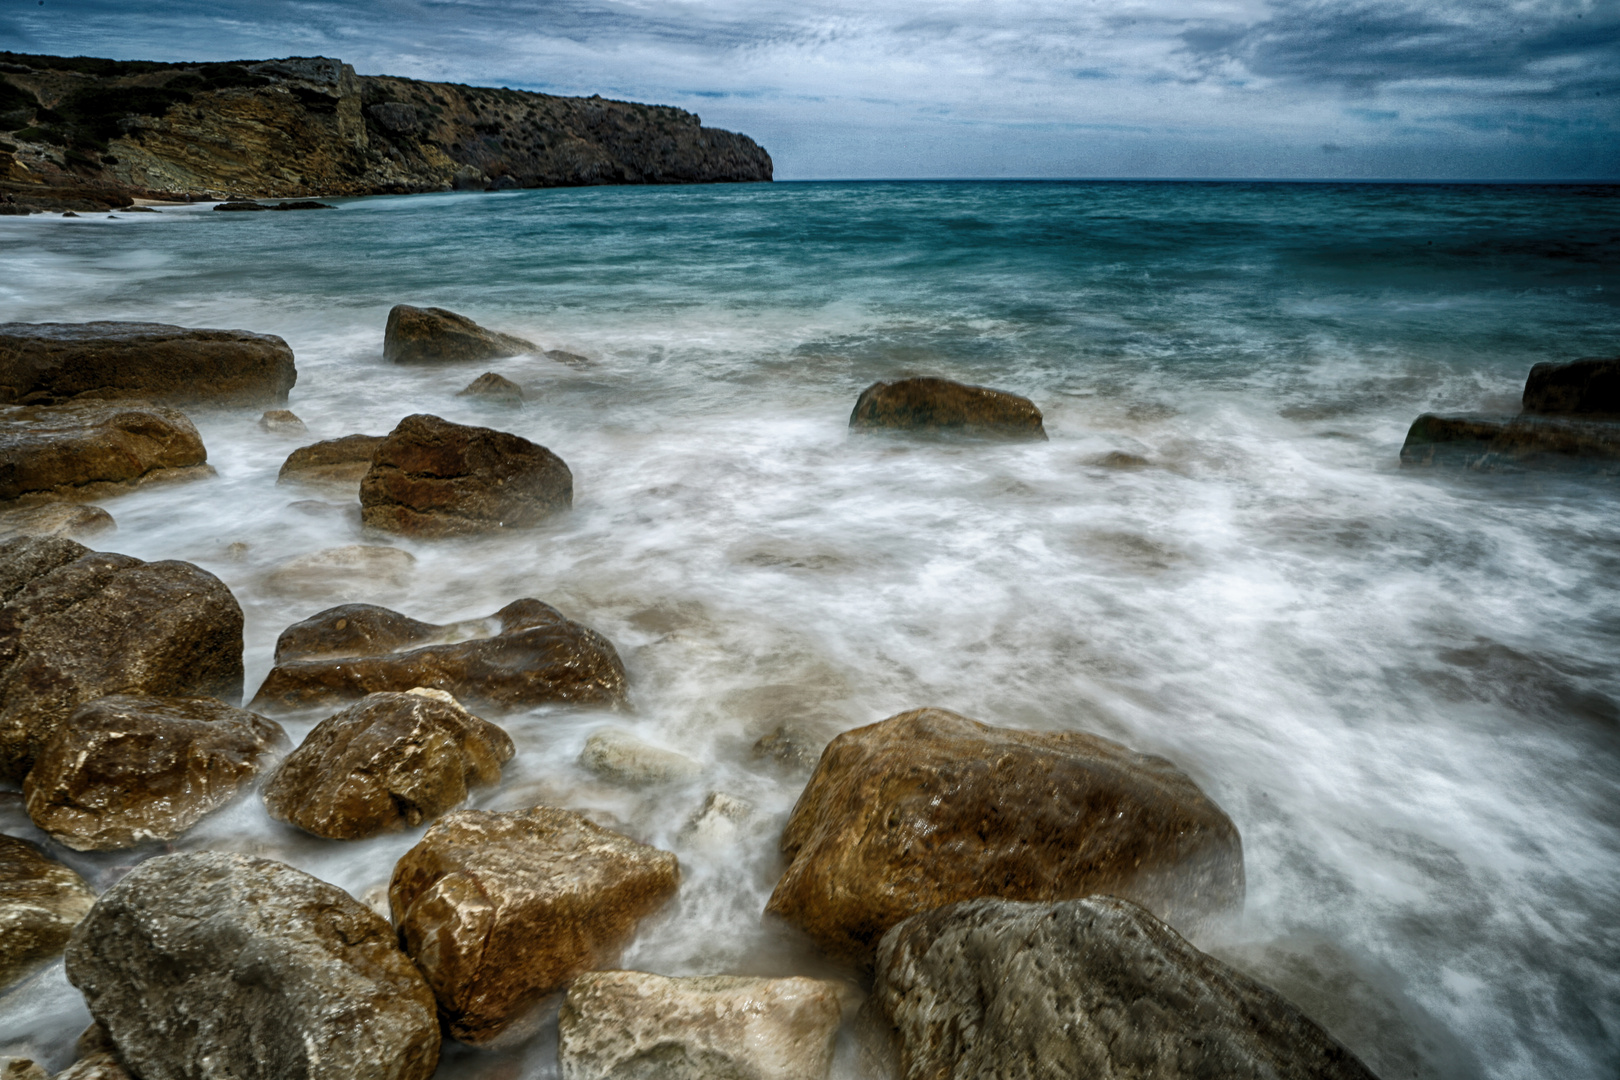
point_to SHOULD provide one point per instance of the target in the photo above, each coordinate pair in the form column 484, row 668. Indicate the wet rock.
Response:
column 77, row 624
column 1087, row 987
column 717, row 821
column 331, row 461
column 241, row 205
column 1489, row 443
column 493, row 387
column 128, row 768
column 92, row 449
column 1590, row 386
column 353, row 568
column 622, row 758
column 41, row 901
column 928, row 807
column 303, row 204
column 96, row 1058
column 432, row 335
column 213, row 964
column 615, row 1025
column 943, row 406
column 525, row 654
column 56, row 519
column 21, row 1068
column 788, row 749
column 1119, row 459
column 282, row 421
column 433, row 478
column 53, row 363
column 500, row 910
column 568, row 358
column 389, row 763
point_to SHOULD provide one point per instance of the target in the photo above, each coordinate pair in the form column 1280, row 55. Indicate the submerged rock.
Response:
column 943, row 406
column 91, row 449
column 281, row 420
column 500, row 910
column 622, row 758
column 56, row 519
column 1512, row 442
column 493, row 387
column 352, row 567
column 213, row 964
column 928, row 807
column 41, row 901
column 430, row 335
column 1119, row 459
column 1590, row 386
column 331, row 461
column 717, row 821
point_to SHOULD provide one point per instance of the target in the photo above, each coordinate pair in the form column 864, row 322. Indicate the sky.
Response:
column 1310, row 89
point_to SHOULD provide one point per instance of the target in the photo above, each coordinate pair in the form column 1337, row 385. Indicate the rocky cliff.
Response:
column 84, row 133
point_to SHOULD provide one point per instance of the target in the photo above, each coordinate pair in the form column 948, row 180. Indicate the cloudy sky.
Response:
column 996, row 88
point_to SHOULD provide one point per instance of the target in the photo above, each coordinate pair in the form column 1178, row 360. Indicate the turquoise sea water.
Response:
column 1401, row 684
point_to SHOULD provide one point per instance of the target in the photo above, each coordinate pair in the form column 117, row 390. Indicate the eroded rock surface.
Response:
column 91, row 449
column 946, row 407
column 1580, row 387
column 75, row 520
column 417, row 335
column 332, row 461
column 1489, row 443
column 41, row 901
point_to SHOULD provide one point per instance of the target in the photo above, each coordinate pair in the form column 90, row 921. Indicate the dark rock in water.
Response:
column 1507, row 442
column 433, row 335
column 77, row 624
column 70, row 214
column 942, row 406
column 41, row 901
column 332, row 461
column 536, row 656
column 433, row 478
column 50, row 363
column 1093, row 987
column 501, row 909
column 493, row 387
column 928, row 807
column 281, row 420
column 238, row 206
column 303, row 204
column 215, row 965
column 1590, row 386
column 74, row 520
column 571, row 359
column 1119, row 459
column 128, row 768
column 91, row 449
column 391, row 762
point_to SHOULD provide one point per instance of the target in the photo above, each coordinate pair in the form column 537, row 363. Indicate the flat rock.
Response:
column 92, row 449
column 210, row 964
column 75, row 520
column 944, row 407
column 52, row 363
column 1489, row 443
column 928, row 807
column 1590, row 386
column 622, row 758
column 500, row 910
column 281, row 421
column 41, row 901
column 320, row 573
column 126, row 769
column 525, row 654
column 433, row 335
column 77, row 624
column 432, row 478
column 332, row 461
column 390, row 762
column 493, row 387
column 1093, row 987
column 615, row 1025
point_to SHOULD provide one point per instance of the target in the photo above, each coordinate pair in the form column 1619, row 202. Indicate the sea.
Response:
column 1403, row 684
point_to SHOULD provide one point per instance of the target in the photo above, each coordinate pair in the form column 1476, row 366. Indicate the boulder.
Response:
column 51, row 363
column 241, row 205
column 331, row 461
column 531, row 655
column 622, row 758
column 717, row 822
column 129, row 768
column 41, row 901
column 389, row 763
column 928, row 807
column 96, row 1058
column 19, row 1068
column 280, row 421
column 433, row 335
column 432, row 478
column 1590, row 386
column 56, row 519
column 91, row 449
column 353, row 566
column 1093, row 987
column 1489, row 443
column 500, row 910
column 210, row 964
column 946, row 407
column 493, row 387
column 615, row 1025
column 77, row 624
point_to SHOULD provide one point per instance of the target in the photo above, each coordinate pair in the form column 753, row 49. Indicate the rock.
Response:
column 281, row 421
column 303, row 204
column 716, row 822
column 493, row 387
column 331, row 461
column 52, row 363
column 41, row 901
column 241, row 205
column 128, row 768
column 93, row 449
column 433, row 335
column 433, row 478
column 1119, row 459
column 571, row 359
column 535, row 656
column 395, row 117
column 354, row 566
column 622, row 758
column 56, row 519
column 1489, row 443
column 1093, row 987
column 616, row 1025
column 21, row 1068
column 97, row 1058
column 500, row 910
column 928, row 807
column 788, row 748
column 1590, row 386
column 210, row 964
column 77, row 624
column 943, row 406
column 389, row 763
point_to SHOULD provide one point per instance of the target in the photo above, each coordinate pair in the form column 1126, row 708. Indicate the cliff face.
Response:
column 99, row 131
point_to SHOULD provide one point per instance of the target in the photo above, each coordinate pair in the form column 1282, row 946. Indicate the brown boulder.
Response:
column 389, row 763
column 434, row 478
column 928, row 807
column 428, row 335
column 281, row 421
column 91, row 449
column 128, row 768
column 946, row 407
column 500, row 910
column 1489, row 443
column 56, row 519
column 1590, row 386
column 51, row 363
column 41, row 901
column 493, row 387
column 332, row 461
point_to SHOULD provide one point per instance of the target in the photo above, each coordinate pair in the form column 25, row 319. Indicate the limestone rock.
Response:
column 77, row 624
column 621, row 757
column 928, row 807
column 1093, row 987
column 433, row 335
column 354, row 566
column 1528, row 440
column 212, row 964
column 391, row 762
column 1590, row 386
column 53, row 363
column 943, row 406
column 331, row 461
column 432, row 478
column 128, row 768
column 500, row 910
column 41, row 901
column 534, row 656
column 94, row 448
column 620, row 1025
column 56, row 519
column 282, row 421
column 493, row 387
